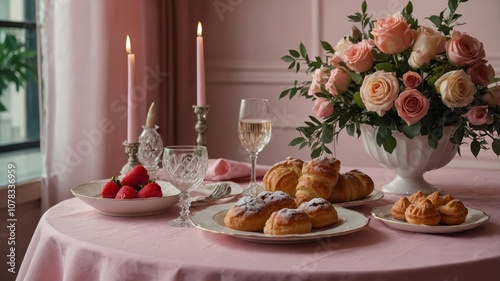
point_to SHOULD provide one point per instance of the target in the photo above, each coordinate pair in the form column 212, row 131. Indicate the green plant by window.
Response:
column 16, row 65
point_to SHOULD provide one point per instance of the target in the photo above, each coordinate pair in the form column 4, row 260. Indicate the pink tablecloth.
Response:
column 74, row 242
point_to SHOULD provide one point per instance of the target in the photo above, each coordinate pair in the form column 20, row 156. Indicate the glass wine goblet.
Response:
column 185, row 168
column 254, row 130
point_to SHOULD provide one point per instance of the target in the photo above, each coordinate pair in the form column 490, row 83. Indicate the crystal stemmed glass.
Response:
column 254, row 130
column 185, row 168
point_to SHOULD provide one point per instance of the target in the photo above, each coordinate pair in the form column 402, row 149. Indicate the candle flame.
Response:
column 199, row 29
column 127, row 45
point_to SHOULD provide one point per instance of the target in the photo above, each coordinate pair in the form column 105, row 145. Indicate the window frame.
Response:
column 32, row 99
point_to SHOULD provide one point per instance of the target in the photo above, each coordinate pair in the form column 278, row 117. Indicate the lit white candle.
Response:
column 133, row 126
column 200, row 67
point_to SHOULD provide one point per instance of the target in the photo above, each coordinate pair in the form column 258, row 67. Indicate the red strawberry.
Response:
column 150, row 190
column 110, row 188
column 126, row 192
column 136, row 177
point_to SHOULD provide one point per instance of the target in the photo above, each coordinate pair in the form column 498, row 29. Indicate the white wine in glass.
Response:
column 254, row 130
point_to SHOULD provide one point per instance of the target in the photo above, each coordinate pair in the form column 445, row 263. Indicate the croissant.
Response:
column 318, row 178
column 353, row 185
column 284, row 176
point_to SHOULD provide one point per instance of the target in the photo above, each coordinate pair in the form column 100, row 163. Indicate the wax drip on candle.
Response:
column 151, row 117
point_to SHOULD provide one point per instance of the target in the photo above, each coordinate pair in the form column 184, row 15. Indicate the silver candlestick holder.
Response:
column 201, row 126
column 131, row 149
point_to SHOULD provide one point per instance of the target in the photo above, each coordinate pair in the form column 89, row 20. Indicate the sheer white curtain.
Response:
column 84, row 86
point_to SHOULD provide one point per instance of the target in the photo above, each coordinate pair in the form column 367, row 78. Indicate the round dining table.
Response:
column 75, row 242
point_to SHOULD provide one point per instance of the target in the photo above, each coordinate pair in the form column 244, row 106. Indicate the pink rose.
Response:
column 322, row 107
column 320, row 75
column 492, row 95
column 427, row 45
column 339, row 81
column 456, row 88
column 319, row 78
column 411, row 79
column 335, row 60
column 481, row 73
column 464, row 50
column 478, row 115
column 314, row 88
column 412, row 106
column 358, row 57
column 379, row 90
column 392, row 34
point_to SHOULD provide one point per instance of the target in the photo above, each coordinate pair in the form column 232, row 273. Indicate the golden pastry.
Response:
column 417, row 197
column 277, row 200
column 399, row 208
column 321, row 212
column 454, row 212
column 353, row 185
column 248, row 214
column 284, row 176
column 318, row 178
column 288, row 221
column 423, row 212
column 436, row 199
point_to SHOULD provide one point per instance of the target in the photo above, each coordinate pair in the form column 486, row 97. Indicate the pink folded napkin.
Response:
column 224, row 169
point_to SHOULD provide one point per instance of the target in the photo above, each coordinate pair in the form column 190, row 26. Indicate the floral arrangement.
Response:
column 397, row 75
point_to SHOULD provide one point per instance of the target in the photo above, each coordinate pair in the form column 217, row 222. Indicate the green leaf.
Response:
column 409, row 8
column 385, row 66
column 327, row 135
column 358, row 100
column 363, row 7
column 411, row 131
column 302, row 50
column 287, row 58
column 284, row 93
column 327, row 47
column 350, row 129
column 475, row 147
column 356, row 77
column 435, row 20
column 495, row 145
column 297, row 141
column 294, row 53
column 390, row 144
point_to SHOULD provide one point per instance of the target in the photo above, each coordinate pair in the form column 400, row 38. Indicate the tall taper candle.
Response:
column 200, row 69
column 133, row 126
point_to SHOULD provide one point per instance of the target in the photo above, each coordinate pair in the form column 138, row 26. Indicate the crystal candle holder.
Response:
column 150, row 149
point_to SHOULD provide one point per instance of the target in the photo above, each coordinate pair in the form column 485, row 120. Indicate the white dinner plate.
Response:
column 212, row 219
column 374, row 196
column 474, row 219
column 90, row 193
column 207, row 188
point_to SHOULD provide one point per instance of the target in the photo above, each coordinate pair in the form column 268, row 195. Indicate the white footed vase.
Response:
column 410, row 159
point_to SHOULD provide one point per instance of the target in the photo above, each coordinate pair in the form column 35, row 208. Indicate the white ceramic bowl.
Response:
column 90, row 193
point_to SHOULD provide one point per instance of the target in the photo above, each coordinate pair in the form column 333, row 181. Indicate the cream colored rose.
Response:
column 456, row 88
column 428, row 43
column 342, row 46
column 379, row 90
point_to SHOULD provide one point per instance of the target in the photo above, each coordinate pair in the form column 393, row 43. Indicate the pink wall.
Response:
column 245, row 39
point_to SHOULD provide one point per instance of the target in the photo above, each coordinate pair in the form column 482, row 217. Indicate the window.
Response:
column 19, row 111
